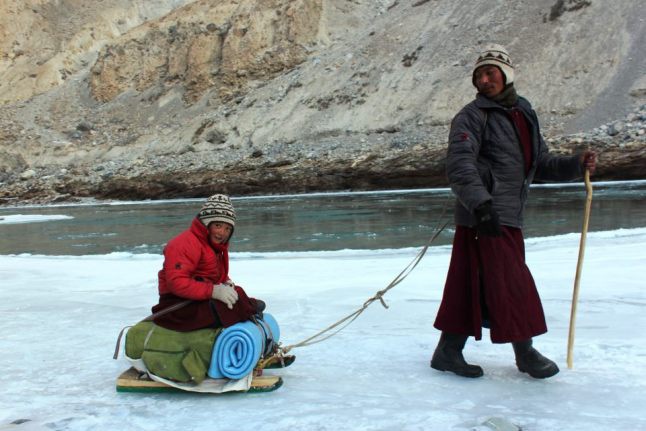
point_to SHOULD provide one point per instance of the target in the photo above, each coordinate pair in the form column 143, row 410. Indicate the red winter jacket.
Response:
column 192, row 266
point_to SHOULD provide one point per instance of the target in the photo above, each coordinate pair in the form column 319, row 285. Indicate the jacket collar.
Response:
column 199, row 230
column 483, row 102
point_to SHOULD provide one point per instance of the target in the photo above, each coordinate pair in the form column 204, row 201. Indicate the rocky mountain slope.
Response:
column 146, row 99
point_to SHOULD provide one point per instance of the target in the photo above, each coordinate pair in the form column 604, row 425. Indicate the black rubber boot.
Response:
column 530, row 361
column 260, row 305
column 448, row 356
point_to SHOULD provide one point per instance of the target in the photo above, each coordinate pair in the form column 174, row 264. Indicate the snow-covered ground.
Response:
column 26, row 218
column 60, row 315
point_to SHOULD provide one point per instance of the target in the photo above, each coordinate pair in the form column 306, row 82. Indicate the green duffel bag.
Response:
column 180, row 356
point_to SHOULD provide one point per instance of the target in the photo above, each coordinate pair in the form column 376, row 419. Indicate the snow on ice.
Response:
column 60, row 316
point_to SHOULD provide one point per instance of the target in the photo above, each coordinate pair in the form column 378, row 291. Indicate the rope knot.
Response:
column 380, row 296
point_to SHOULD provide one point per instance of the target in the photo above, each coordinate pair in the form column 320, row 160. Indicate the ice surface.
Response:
column 60, row 315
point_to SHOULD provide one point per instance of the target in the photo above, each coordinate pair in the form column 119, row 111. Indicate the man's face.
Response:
column 489, row 80
column 219, row 232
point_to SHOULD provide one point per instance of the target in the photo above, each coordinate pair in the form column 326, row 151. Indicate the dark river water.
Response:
column 309, row 222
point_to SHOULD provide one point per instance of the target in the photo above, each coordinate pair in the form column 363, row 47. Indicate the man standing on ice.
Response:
column 495, row 152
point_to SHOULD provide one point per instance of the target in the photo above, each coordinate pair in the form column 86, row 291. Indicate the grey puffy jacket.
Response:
column 485, row 161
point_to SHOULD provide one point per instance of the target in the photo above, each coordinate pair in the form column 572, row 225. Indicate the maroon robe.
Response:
column 488, row 275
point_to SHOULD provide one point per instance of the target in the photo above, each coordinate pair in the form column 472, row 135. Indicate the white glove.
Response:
column 226, row 294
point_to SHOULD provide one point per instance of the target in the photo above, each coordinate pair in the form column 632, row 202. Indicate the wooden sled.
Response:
column 132, row 380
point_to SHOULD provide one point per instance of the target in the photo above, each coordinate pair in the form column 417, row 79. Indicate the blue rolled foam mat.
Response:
column 239, row 347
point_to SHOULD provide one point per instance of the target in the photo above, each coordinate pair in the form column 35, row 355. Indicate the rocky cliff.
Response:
column 180, row 98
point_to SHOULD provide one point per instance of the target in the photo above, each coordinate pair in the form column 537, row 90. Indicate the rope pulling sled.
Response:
column 281, row 351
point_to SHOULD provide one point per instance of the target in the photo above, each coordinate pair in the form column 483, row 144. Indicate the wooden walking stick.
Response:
column 579, row 264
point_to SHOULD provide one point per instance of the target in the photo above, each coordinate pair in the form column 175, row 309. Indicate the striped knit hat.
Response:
column 495, row 55
column 217, row 208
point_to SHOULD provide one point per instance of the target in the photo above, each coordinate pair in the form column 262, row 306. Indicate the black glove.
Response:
column 487, row 220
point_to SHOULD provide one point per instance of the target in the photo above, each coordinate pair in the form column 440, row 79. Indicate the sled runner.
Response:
column 132, row 380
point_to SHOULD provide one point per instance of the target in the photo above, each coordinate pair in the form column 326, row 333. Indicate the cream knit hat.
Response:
column 495, row 55
column 217, row 208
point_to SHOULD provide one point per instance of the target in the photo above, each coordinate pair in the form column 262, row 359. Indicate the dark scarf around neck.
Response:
column 507, row 97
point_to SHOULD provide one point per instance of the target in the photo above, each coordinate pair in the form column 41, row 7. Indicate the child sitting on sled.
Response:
column 196, row 268
column 204, row 326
